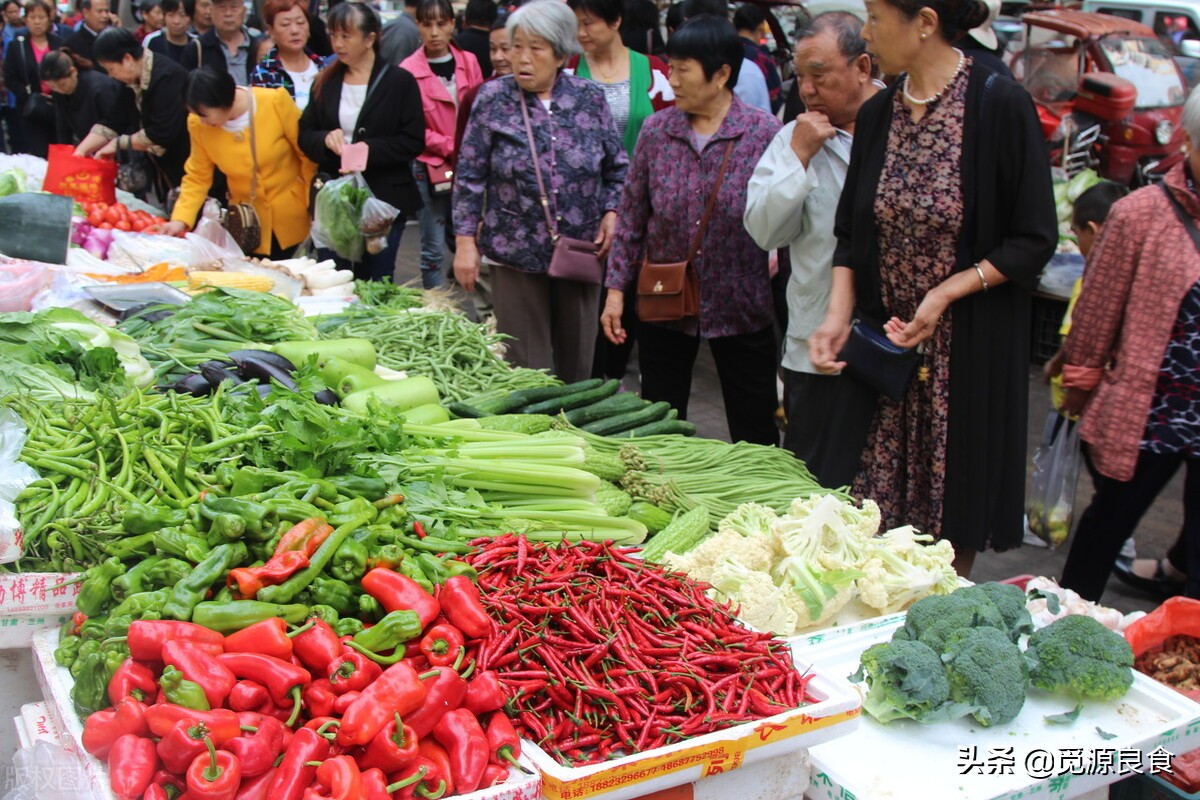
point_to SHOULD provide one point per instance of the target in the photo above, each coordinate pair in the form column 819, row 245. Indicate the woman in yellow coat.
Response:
column 221, row 133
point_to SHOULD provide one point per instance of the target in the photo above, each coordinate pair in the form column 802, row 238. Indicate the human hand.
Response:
column 107, row 151
column 610, row 318
column 1074, row 400
column 827, row 341
column 173, row 228
column 603, row 240
column 812, row 130
column 335, row 140
column 1054, row 367
column 466, row 262
column 923, row 324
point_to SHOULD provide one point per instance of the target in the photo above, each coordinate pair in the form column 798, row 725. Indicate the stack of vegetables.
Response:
column 792, row 572
column 604, row 655
column 263, row 709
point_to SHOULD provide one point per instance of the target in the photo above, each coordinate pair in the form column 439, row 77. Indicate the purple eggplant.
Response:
column 240, row 356
column 326, row 397
column 216, row 372
column 265, row 372
column 194, row 384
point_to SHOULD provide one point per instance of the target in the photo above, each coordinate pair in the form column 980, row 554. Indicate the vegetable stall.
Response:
column 329, row 544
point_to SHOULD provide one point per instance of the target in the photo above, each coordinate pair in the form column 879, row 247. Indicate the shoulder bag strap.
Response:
column 1188, row 223
column 25, row 63
column 199, row 53
column 367, row 96
column 537, row 170
column 253, row 154
column 712, row 202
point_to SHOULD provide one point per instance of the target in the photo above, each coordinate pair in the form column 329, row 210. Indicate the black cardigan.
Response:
column 391, row 122
column 97, row 98
column 21, row 67
column 1009, row 219
column 163, row 115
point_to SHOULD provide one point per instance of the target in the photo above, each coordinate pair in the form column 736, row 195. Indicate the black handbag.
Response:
column 38, row 107
column 875, row 361
column 133, row 171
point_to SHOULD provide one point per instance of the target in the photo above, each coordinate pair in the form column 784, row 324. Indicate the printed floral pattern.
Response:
column 919, row 216
column 1174, row 422
column 495, row 182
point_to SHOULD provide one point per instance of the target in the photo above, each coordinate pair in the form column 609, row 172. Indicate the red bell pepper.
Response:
column 154, row 792
column 352, row 672
column 305, row 536
column 442, row 644
column 179, row 748
column 293, row 775
column 343, row 777
column 132, row 763
column 216, row 775
column 422, row 778
column 317, row 646
column 344, row 701
column 249, row 580
column 435, row 754
column 393, row 748
column 222, row 723
column 396, row 592
column 444, row 692
column 283, row 680
column 147, row 637
column 463, row 607
column 132, row 680
column 247, row 696
column 484, row 693
column 173, row 785
column 493, row 775
column 257, row 752
column 318, row 698
column 397, row 691
column 459, row 732
column 102, row 728
column 256, row 788
column 322, row 725
column 504, row 745
column 269, row 637
column 375, row 784
column 201, row 668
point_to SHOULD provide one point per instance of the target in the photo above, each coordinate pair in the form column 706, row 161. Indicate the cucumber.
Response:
column 663, row 426
column 527, row 397
column 576, row 400
column 494, row 401
column 623, row 422
column 608, row 407
column 464, row 409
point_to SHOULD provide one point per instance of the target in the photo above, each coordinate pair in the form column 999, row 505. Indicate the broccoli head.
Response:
column 987, row 671
column 905, row 680
column 1011, row 603
column 939, row 619
column 1077, row 655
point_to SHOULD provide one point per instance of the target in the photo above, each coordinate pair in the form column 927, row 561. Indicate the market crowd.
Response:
column 871, row 235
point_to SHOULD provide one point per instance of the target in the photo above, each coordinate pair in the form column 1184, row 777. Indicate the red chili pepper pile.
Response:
column 299, row 714
column 604, row 655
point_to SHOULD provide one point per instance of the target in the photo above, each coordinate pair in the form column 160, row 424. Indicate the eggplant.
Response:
column 240, row 356
column 326, row 397
column 217, row 371
column 193, row 384
column 265, row 372
column 264, row 389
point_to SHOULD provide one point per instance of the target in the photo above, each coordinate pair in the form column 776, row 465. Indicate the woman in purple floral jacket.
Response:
column 675, row 166
column 498, row 215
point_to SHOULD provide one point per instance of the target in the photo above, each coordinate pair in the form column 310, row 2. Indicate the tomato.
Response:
column 105, row 226
column 95, row 218
column 123, row 225
column 112, row 215
column 139, row 225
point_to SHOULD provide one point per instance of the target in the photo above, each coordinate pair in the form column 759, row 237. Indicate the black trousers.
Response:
column 745, row 367
column 1112, row 517
column 828, row 419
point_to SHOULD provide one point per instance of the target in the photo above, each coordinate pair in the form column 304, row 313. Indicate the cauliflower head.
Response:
column 763, row 605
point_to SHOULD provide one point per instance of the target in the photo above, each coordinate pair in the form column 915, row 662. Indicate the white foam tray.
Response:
column 881, row 762
column 56, row 684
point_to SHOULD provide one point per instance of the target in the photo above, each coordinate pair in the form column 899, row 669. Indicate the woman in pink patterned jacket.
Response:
column 1133, row 367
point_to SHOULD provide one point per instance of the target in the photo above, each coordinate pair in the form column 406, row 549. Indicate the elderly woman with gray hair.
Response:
column 498, row 214
column 1131, row 366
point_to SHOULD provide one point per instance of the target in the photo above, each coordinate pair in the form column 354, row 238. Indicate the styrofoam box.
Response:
column 887, row 761
column 33, row 601
column 781, row 736
column 56, row 684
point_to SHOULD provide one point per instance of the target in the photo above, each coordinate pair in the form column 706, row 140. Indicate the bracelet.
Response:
column 982, row 280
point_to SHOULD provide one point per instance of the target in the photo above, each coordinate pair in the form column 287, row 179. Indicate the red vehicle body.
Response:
column 1108, row 93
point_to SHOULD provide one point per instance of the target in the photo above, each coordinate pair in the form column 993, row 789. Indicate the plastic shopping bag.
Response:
column 14, row 477
column 87, row 180
column 377, row 219
column 338, row 216
column 1051, row 502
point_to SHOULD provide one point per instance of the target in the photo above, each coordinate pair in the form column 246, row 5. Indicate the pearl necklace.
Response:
column 962, row 61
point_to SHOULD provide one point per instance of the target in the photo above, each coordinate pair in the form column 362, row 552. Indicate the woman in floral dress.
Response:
column 945, row 221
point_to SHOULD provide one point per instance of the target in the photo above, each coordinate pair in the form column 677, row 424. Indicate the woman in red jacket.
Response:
column 444, row 73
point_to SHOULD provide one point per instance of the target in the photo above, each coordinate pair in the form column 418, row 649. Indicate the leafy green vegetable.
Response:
column 338, row 218
column 12, row 181
column 1065, row 718
column 87, row 352
column 44, row 383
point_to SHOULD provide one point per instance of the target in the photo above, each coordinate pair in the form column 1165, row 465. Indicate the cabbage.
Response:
column 63, row 337
column 12, row 181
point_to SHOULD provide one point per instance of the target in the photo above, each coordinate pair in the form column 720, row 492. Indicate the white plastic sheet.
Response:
column 14, row 477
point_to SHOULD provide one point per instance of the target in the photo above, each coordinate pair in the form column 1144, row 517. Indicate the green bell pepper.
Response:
column 411, row 569
column 67, row 650
column 390, row 632
column 323, row 612
column 90, row 692
column 454, row 568
column 305, row 489
column 141, row 518
column 167, row 572
column 191, row 590
column 181, row 542
column 350, row 561
column 225, row 528
column 87, row 648
column 117, row 625
column 355, row 486
column 252, row 480
column 96, row 591
column 433, row 544
column 292, row 510
column 233, row 615
column 395, row 516
column 343, row 512
column 348, row 626
column 225, row 474
column 256, row 516
column 133, row 580
column 389, row 555
column 92, row 628
column 130, row 548
column 284, row 592
column 332, row 592
column 369, row 608
column 182, row 692
column 433, row 568
column 137, row 605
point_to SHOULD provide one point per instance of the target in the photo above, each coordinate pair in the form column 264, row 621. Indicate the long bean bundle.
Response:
column 457, row 354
